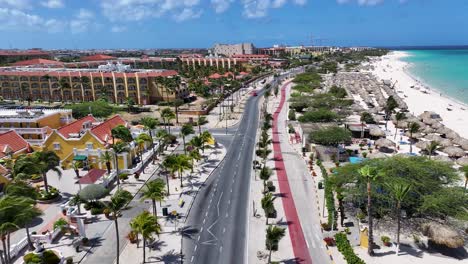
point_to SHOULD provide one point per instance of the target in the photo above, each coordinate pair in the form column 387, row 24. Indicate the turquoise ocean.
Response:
column 445, row 70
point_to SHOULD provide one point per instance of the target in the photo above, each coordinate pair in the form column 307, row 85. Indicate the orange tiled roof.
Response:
column 103, row 130
column 97, row 57
column 14, row 142
column 75, row 126
column 37, row 62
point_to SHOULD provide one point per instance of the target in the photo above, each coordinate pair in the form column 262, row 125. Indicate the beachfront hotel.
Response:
column 114, row 82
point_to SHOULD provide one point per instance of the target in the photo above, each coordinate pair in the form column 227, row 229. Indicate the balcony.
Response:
column 23, row 131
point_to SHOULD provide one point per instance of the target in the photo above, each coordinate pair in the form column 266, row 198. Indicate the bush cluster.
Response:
column 330, row 201
column 48, row 257
column 53, row 193
column 320, row 115
column 342, row 243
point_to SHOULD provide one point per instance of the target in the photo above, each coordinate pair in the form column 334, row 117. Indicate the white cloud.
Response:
column 363, row 2
column 15, row 4
column 137, row 10
column 82, row 21
column 53, row 4
column 118, row 29
column 259, row 8
column 14, row 19
column 221, row 5
column 187, row 14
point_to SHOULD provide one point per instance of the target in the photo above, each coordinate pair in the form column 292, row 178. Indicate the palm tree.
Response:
column 206, row 137
column 167, row 115
column 181, row 164
column 6, row 229
column 26, row 216
column 47, row 161
column 273, row 235
column 370, row 174
column 24, row 167
column 107, row 158
column 400, row 116
column 365, row 117
column 186, row 130
column 161, row 135
column 140, row 141
column 76, row 167
column 154, row 190
column 399, row 191
column 201, row 120
column 413, row 127
column 196, row 142
column 117, row 203
column 465, row 171
column 146, row 225
column 119, row 147
column 169, row 165
column 150, row 124
column 177, row 103
column 390, row 106
column 194, row 155
column 432, row 148
column 268, row 205
column 265, row 174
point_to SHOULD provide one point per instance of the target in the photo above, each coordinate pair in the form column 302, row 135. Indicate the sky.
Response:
column 83, row 24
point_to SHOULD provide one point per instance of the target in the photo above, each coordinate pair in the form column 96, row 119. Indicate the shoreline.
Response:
column 391, row 67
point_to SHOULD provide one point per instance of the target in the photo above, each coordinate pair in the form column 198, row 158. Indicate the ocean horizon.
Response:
column 445, row 70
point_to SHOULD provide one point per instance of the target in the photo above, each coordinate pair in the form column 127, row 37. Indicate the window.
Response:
column 89, row 146
column 56, row 146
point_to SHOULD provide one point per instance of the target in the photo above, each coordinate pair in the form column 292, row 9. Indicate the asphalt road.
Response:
column 216, row 228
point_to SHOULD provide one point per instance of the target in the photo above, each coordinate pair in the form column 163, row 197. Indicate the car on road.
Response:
column 254, row 93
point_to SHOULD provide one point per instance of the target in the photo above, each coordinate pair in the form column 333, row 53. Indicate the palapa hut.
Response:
column 463, row 161
column 429, row 116
column 452, row 135
column 442, row 235
column 385, row 145
column 377, row 155
column 445, row 142
column 433, row 137
column 443, row 158
column 437, row 125
column 454, row 152
column 462, row 142
column 422, row 144
column 375, row 131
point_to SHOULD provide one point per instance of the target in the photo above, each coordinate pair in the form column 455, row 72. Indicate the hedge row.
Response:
column 330, row 201
column 342, row 243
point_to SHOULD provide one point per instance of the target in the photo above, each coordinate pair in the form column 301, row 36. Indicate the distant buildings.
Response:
column 229, row 50
column 9, row 56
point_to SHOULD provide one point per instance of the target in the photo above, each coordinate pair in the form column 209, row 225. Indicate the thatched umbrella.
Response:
column 445, row 142
column 377, row 155
column 437, row 125
column 415, row 135
column 384, row 142
column 433, row 137
column 376, row 132
column 422, row 144
column 444, row 130
column 442, row 235
column 452, row 135
column 463, row 161
column 430, row 115
column 462, row 142
column 443, row 158
column 454, row 151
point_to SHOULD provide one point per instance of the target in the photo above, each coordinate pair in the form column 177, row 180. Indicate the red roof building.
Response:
column 103, row 130
column 12, row 143
column 76, row 127
column 43, row 62
column 97, row 57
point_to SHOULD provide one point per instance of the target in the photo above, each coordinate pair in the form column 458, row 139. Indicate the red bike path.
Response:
column 296, row 234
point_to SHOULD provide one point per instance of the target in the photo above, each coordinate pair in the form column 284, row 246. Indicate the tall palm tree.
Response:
column 196, row 142
column 140, row 141
column 365, row 117
column 400, row 116
column 25, row 218
column 169, row 164
column 369, row 174
column 177, row 103
column 181, row 164
column 268, row 205
column 201, row 120
column 186, row 130
column 399, row 191
column 167, row 115
column 24, row 167
column 118, row 148
column 273, row 235
column 206, row 137
column 194, row 155
column 107, row 158
column 161, row 135
column 122, row 132
column 154, row 190
column 117, row 203
column 47, row 161
column 432, row 148
column 389, row 108
column 76, row 167
column 146, row 225
column 413, row 127
column 265, row 174
column 150, row 124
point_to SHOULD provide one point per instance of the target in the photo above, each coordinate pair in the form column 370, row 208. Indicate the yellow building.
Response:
column 87, row 140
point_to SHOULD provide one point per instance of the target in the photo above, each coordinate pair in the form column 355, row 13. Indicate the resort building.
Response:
column 33, row 125
column 12, row 145
column 229, row 50
column 63, row 84
column 10, row 56
column 86, row 140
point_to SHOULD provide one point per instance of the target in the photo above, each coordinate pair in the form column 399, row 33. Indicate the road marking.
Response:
column 204, row 220
column 206, row 213
column 229, row 202
column 224, row 230
column 196, row 246
column 220, row 249
column 307, row 243
column 201, row 229
column 227, row 215
column 191, row 260
column 198, row 239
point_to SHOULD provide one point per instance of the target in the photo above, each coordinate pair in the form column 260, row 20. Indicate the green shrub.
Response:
column 123, row 176
column 31, row 258
column 342, row 243
column 53, row 193
column 338, row 92
column 60, row 223
column 48, row 257
column 330, row 136
column 292, row 115
column 321, row 115
column 96, row 211
column 329, row 198
column 385, row 239
column 99, row 108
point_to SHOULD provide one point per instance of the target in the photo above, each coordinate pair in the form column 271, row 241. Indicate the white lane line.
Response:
column 219, row 201
column 220, row 249
column 224, row 230
column 204, row 220
column 229, row 202
column 195, row 249
column 198, row 239
column 227, row 215
column 201, row 229
column 206, row 213
column 191, row 260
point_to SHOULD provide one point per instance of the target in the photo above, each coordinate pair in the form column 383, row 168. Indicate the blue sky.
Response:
column 200, row 23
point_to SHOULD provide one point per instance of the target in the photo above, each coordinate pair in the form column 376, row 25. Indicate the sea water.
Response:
column 445, row 70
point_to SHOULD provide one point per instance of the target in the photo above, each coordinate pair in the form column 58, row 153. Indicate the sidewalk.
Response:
column 167, row 248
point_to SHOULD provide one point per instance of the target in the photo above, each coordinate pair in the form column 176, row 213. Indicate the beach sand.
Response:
column 391, row 67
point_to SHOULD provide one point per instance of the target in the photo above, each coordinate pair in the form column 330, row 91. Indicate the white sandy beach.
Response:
column 390, row 67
